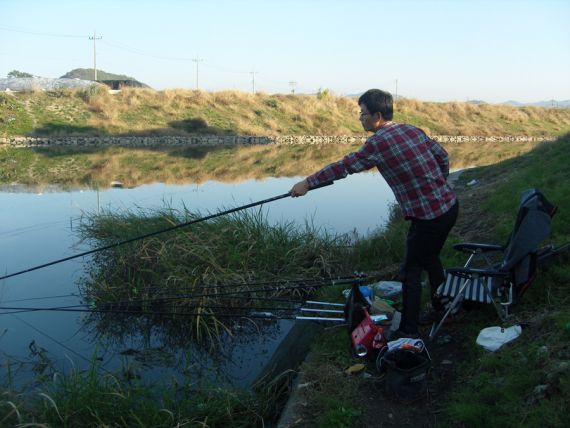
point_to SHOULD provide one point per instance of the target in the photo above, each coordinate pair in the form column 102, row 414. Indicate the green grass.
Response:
column 88, row 399
column 14, row 119
column 500, row 389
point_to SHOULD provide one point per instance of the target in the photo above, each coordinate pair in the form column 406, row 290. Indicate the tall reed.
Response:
column 206, row 263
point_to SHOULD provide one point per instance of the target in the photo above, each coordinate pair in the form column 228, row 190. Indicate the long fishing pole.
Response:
column 333, row 280
column 227, row 294
column 148, row 235
column 111, row 309
column 286, row 313
column 231, row 295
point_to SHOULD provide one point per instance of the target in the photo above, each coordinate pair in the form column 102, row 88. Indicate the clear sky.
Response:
column 494, row 50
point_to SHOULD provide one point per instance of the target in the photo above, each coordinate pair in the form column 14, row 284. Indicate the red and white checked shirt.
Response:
column 414, row 166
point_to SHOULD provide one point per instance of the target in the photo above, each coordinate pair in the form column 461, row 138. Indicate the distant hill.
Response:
column 87, row 74
column 546, row 104
column 477, row 102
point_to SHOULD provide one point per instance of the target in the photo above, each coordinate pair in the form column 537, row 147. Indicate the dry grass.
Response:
column 182, row 112
column 485, row 119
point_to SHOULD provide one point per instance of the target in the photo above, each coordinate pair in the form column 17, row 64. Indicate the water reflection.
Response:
column 39, row 227
column 152, row 345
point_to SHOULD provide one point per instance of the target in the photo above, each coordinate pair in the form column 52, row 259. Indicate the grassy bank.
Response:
column 89, row 399
column 526, row 383
column 69, row 167
column 134, row 111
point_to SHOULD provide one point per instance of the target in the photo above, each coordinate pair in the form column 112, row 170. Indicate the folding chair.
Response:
column 500, row 284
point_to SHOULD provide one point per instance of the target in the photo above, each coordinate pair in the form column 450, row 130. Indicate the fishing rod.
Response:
column 346, row 279
column 261, row 313
column 233, row 294
column 228, row 295
column 337, row 280
column 169, row 229
column 111, row 309
column 142, row 301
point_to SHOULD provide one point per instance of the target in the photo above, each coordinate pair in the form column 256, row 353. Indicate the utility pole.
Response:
column 253, row 73
column 293, row 84
column 95, row 38
column 197, row 60
column 396, row 98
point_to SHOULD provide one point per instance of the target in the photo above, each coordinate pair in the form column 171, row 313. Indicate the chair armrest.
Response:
column 472, row 247
column 469, row 272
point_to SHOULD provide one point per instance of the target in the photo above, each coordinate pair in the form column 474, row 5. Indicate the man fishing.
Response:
column 416, row 168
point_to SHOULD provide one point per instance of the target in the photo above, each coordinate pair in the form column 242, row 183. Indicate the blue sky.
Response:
column 429, row 50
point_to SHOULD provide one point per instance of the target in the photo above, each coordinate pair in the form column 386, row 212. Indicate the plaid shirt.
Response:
column 415, row 167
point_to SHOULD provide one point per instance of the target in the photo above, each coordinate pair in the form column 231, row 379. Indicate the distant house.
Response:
column 118, row 84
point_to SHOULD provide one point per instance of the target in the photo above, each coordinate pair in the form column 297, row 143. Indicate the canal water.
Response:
column 40, row 225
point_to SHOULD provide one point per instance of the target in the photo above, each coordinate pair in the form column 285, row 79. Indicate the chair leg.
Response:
column 452, row 306
column 437, row 325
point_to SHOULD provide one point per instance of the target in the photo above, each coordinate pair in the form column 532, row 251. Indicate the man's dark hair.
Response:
column 377, row 101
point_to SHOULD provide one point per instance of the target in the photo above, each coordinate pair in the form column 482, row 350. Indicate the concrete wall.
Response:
column 213, row 140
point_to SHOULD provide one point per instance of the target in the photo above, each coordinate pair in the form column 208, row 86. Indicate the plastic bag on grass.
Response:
column 492, row 338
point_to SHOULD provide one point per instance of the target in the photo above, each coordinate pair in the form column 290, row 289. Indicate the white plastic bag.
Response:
column 386, row 288
column 492, row 338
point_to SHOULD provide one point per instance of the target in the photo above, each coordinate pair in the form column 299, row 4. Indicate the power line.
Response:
column 36, row 33
column 133, row 50
column 143, row 53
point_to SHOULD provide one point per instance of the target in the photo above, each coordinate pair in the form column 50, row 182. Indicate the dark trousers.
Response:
column 423, row 244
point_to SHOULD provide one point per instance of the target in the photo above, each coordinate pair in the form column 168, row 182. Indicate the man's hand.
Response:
column 300, row 189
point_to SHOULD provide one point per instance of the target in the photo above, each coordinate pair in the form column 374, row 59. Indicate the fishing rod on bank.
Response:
column 168, row 229
column 302, row 284
column 122, row 306
column 267, row 313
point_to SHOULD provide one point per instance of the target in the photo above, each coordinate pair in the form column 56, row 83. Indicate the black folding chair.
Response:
column 500, row 284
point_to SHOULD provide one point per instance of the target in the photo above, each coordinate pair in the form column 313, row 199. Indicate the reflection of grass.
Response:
column 196, row 164
column 168, row 165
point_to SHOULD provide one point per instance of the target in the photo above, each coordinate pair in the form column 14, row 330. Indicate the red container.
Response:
column 367, row 337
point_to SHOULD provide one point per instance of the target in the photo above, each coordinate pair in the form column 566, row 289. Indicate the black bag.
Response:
column 406, row 375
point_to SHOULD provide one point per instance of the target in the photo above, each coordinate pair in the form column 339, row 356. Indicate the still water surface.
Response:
column 40, row 226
